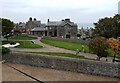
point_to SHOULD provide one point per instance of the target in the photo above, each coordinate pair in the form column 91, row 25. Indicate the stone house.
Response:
column 35, row 27
column 64, row 28
column 39, row 31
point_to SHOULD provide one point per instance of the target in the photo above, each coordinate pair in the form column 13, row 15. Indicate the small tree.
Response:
column 114, row 44
column 99, row 46
column 7, row 25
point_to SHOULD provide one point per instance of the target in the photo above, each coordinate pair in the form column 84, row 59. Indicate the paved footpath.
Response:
column 46, row 74
column 48, row 48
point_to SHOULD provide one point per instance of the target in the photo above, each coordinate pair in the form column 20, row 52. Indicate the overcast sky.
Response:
column 79, row 11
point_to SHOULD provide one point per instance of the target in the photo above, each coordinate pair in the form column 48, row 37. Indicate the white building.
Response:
column 119, row 7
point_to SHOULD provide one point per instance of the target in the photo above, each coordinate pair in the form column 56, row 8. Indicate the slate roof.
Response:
column 23, row 25
column 60, row 23
column 43, row 25
column 54, row 23
column 39, row 29
column 38, row 23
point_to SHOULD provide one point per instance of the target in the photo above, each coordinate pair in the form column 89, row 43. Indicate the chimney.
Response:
column 30, row 19
column 67, row 20
column 48, row 20
column 34, row 19
column 20, row 22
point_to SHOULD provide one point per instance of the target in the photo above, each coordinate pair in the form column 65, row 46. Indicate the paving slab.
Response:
column 46, row 74
column 9, row 74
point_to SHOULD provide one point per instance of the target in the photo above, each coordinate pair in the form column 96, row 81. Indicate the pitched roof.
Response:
column 38, row 23
column 54, row 23
column 39, row 29
column 60, row 23
column 70, row 23
column 43, row 25
column 22, row 25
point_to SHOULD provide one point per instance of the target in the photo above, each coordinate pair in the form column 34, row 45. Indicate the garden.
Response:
column 24, row 41
column 99, row 45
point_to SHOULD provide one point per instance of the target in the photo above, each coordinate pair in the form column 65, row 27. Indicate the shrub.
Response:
column 99, row 46
column 114, row 44
column 78, row 35
column 5, row 50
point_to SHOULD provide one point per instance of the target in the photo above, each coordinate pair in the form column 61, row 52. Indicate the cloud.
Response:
column 78, row 10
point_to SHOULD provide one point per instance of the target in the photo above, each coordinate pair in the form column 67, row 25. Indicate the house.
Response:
column 39, row 31
column 21, row 27
column 64, row 28
column 35, row 27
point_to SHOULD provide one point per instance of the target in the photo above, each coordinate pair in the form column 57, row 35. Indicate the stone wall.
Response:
column 74, row 40
column 68, row 64
column 0, row 54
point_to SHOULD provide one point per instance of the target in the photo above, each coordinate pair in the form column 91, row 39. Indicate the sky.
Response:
column 79, row 11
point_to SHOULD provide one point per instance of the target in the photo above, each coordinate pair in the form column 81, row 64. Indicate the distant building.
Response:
column 35, row 27
column 85, row 32
column 119, row 7
column 64, row 28
column 21, row 27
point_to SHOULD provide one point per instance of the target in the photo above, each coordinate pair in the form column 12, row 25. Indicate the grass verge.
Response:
column 22, row 37
column 28, row 44
column 60, row 54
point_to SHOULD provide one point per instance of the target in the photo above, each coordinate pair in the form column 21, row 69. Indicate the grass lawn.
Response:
column 22, row 37
column 66, row 45
column 60, row 54
column 24, row 44
column 111, row 53
column 28, row 44
column 73, row 46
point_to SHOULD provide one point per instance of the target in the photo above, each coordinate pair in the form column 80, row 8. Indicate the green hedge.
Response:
column 5, row 50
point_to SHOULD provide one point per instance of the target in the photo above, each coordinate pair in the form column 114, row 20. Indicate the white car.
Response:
column 11, row 45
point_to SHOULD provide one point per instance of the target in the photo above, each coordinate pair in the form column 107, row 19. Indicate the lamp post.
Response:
column 114, row 57
column 118, row 38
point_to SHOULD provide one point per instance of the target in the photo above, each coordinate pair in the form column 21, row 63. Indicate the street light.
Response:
column 118, row 38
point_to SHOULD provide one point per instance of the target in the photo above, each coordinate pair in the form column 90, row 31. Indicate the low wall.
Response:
column 74, row 40
column 62, row 63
